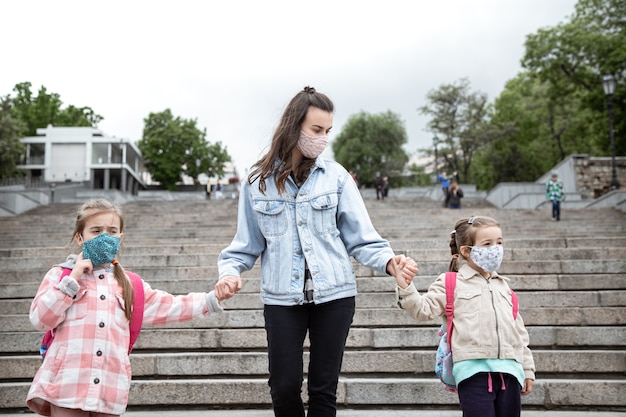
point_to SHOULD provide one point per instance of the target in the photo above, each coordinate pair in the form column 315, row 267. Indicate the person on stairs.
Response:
column 454, row 196
column 88, row 301
column 493, row 365
column 556, row 194
column 305, row 218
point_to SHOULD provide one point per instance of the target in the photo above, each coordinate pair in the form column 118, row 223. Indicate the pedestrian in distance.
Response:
column 445, row 183
column 385, row 186
column 355, row 178
column 305, row 218
column 556, row 194
column 87, row 300
column 493, row 365
column 454, row 195
column 379, row 184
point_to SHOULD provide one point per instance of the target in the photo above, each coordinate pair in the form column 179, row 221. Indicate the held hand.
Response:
column 82, row 266
column 227, row 287
column 528, row 386
column 404, row 269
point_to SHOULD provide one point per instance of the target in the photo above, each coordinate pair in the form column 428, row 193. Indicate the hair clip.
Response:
column 472, row 219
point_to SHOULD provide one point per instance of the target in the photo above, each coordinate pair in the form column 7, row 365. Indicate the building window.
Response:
column 100, row 153
column 35, row 154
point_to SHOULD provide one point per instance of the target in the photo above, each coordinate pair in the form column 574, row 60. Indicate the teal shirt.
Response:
column 554, row 190
column 466, row 369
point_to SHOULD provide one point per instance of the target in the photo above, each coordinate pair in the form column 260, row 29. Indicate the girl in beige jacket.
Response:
column 493, row 365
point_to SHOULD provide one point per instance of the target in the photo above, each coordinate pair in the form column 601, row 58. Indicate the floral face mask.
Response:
column 487, row 258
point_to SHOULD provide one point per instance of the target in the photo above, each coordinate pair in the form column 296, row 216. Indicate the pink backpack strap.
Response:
column 515, row 304
column 136, row 319
column 450, row 286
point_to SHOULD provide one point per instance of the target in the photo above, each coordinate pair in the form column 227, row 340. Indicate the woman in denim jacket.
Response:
column 305, row 218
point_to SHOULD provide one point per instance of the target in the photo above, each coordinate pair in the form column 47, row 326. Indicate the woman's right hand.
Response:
column 228, row 286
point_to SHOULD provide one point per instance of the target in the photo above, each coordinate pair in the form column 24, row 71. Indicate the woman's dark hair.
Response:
column 278, row 159
column 464, row 234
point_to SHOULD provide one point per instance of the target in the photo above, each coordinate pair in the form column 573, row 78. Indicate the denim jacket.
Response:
column 324, row 222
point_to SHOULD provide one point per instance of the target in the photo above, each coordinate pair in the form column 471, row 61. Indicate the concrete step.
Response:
column 380, row 411
column 206, row 257
column 352, row 392
column 405, row 361
column 377, row 299
column 253, row 338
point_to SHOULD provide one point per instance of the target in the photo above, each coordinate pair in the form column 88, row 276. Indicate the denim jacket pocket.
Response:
column 272, row 217
column 325, row 213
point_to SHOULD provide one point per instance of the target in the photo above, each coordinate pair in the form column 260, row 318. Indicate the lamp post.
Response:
column 435, row 140
column 608, row 83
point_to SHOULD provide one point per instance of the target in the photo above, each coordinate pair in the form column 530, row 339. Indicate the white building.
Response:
column 83, row 155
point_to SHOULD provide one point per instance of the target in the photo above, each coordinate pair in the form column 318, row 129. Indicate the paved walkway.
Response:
column 348, row 413
column 363, row 413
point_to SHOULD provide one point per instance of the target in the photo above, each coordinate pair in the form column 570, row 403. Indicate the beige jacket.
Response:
column 483, row 317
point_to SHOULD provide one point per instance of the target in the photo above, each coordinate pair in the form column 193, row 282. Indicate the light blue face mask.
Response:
column 101, row 249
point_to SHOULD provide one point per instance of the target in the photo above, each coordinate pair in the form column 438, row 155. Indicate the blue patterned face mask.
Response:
column 101, row 249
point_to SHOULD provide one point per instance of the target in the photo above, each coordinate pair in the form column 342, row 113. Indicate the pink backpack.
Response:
column 135, row 320
column 443, row 360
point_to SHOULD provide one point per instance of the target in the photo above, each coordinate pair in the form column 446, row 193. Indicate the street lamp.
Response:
column 435, row 140
column 608, row 83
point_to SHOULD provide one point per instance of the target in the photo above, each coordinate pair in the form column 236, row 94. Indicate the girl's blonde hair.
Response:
column 464, row 234
column 91, row 208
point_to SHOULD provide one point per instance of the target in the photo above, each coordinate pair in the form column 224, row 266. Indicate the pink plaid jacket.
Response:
column 87, row 367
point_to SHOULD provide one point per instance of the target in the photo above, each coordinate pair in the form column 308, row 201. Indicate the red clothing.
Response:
column 87, row 366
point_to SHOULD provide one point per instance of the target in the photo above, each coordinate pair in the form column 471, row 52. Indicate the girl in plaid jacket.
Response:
column 86, row 371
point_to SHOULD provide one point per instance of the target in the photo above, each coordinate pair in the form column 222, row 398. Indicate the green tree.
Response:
column 10, row 146
column 173, row 146
column 370, row 143
column 530, row 132
column 45, row 109
column 572, row 57
column 457, row 119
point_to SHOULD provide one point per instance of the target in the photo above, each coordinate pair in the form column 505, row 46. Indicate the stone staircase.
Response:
column 570, row 277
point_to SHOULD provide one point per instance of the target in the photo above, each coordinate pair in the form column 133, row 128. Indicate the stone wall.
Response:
column 593, row 175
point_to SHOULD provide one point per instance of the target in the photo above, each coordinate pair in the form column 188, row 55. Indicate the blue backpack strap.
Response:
column 450, row 286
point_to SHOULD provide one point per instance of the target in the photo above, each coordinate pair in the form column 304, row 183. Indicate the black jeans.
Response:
column 328, row 325
column 556, row 209
column 503, row 400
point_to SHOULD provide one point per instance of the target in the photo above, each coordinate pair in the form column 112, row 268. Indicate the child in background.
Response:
column 492, row 362
column 86, row 370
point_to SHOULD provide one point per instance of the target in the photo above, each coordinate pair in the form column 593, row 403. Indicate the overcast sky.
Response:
column 233, row 65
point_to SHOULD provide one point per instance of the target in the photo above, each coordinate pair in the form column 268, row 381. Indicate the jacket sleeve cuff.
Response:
column 528, row 374
column 213, row 304
column 68, row 286
column 402, row 293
